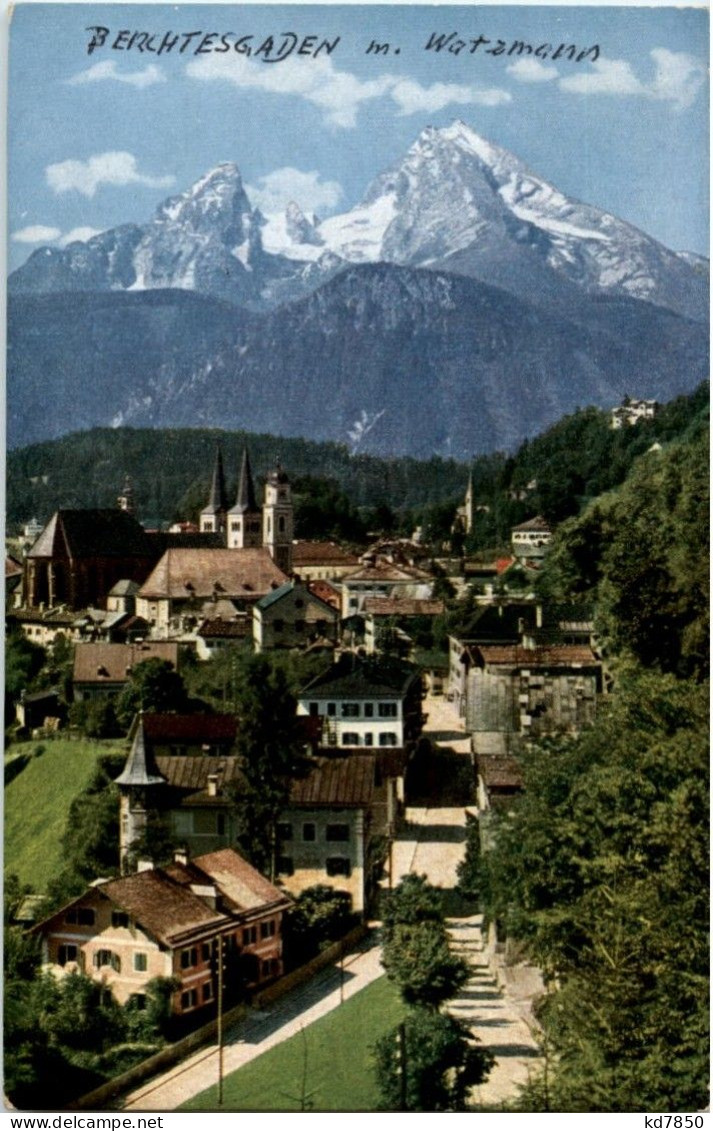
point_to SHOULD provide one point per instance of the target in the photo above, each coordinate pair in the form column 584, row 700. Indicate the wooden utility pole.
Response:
column 220, row 1020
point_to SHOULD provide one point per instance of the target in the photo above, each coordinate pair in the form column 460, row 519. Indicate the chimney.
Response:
column 144, row 865
column 212, row 785
column 180, row 856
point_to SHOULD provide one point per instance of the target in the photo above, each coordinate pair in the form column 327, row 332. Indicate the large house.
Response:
column 101, row 670
column 365, row 702
column 292, row 616
column 177, row 591
column 379, row 578
column 531, row 539
column 178, row 922
column 320, row 561
column 339, row 819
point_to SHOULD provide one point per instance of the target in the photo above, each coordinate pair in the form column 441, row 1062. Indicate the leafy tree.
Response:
column 269, row 747
column 414, row 900
column 77, row 1012
column 154, row 685
column 428, row 1063
column 601, row 869
column 319, row 916
column 23, row 663
column 417, row 957
column 468, row 869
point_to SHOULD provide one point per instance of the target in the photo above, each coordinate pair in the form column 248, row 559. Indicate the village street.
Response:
column 431, row 843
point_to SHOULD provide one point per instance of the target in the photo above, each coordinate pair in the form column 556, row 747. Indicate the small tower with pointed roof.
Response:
column 278, row 518
column 125, row 501
column 214, row 514
column 137, row 782
column 245, row 518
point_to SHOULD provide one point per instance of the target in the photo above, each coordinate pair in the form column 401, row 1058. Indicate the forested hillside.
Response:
column 599, row 871
column 554, row 474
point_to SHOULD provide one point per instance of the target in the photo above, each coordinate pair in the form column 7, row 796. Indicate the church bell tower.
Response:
column 278, row 519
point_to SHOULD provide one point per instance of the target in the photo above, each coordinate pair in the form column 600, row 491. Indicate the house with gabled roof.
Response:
column 102, row 670
column 530, row 539
column 184, row 579
column 372, row 701
column 178, row 922
column 292, row 616
column 322, row 561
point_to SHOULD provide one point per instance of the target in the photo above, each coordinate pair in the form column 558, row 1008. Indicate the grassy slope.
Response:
column 37, row 803
column 339, row 1073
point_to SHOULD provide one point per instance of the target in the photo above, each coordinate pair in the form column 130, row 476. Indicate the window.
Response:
column 220, row 822
column 71, row 915
column 299, row 626
column 350, row 710
column 338, row 866
column 207, row 991
column 86, row 916
column 309, row 831
column 119, row 919
column 337, row 832
column 189, row 999
column 235, row 526
column 138, row 1001
column 285, row 865
column 299, row 603
column 267, row 930
column 368, row 710
column 67, row 954
column 266, row 968
column 204, row 822
column 387, row 710
column 284, row 831
column 107, row 958
column 205, row 952
column 140, row 962
column 189, row 957
column 331, row 708
column 249, row 935
column 369, row 739
column 387, row 739
column 278, row 625
column 281, row 525
column 350, row 738
column 314, row 709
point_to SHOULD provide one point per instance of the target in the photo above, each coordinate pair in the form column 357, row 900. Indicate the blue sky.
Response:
column 99, row 139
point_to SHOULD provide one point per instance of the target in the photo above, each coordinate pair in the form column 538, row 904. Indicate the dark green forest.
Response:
column 339, row 494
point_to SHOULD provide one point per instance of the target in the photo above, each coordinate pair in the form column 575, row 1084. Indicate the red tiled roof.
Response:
column 190, row 728
column 232, row 629
column 108, row 663
column 245, row 888
column 166, row 909
column 325, row 592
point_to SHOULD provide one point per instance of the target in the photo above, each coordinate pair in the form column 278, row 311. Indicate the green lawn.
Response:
column 37, row 803
column 333, row 1056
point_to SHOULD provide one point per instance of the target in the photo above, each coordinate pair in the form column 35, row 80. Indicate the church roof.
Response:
column 218, row 500
column 180, row 574
column 92, row 533
column 245, row 502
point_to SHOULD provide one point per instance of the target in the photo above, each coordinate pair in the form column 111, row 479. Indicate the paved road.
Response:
column 432, row 842
column 259, row 1032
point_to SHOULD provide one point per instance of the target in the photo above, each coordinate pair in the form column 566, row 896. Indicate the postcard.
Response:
column 356, row 640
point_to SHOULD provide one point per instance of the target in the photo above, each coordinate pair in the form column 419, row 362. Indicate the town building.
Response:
column 292, row 616
column 531, row 539
column 631, row 411
column 340, row 818
column 175, row 594
column 365, row 702
column 181, row 922
column 378, row 578
column 102, row 670
column 384, row 616
column 322, row 561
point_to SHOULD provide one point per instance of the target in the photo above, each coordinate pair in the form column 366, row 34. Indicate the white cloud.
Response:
column 36, row 233
column 412, row 98
column 81, row 234
column 107, row 71
column 112, row 168
column 677, row 78
column 273, row 192
column 338, row 93
column 531, row 70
